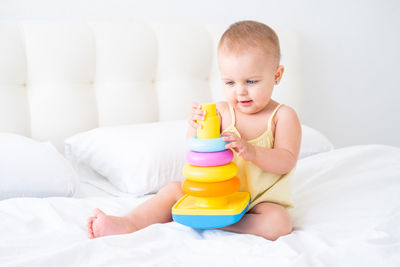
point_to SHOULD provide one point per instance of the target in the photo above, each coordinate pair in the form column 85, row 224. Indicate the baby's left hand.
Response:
column 242, row 147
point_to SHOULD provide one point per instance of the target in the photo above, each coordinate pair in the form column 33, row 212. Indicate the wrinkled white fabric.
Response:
column 347, row 213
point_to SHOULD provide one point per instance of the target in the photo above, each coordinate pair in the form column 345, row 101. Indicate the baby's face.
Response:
column 248, row 79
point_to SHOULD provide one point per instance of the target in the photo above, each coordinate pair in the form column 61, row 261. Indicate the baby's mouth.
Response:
column 246, row 102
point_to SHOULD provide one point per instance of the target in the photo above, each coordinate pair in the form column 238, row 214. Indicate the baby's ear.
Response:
column 279, row 73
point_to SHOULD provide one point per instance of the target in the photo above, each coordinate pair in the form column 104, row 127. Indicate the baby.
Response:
column 264, row 135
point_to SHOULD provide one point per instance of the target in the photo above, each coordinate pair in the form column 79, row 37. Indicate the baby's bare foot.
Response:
column 101, row 224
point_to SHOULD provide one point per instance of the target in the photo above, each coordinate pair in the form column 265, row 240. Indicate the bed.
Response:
column 93, row 114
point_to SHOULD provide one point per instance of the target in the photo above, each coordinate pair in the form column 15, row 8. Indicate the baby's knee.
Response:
column 277, row 224
column 284, row 225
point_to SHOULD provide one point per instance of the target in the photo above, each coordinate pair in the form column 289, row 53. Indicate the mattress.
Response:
column 347, row 213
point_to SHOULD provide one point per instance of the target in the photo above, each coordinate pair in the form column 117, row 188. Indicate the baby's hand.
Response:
column 242, row 147
column 196, row 114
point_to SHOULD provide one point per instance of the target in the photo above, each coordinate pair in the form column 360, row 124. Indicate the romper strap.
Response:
column 272, row 116
column 233, row 122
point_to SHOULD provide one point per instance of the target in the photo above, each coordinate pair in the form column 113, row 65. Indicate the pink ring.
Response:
column 208, row 159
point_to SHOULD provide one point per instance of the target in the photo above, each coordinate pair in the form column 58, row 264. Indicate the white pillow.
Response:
column 142, row 158
column 137, row 159
column 313, row 142
column 32, row 169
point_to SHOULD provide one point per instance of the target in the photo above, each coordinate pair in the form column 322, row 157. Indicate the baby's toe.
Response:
column 89, row 226
column 89, row 221
column 91, row 234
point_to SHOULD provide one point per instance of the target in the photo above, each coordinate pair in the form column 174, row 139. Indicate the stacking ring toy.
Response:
column 207, row 159
column 207, row 145
column 212, row 198
column 216, row 189
column 210, row 174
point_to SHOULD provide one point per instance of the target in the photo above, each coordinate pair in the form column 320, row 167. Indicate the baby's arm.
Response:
column 283, row 156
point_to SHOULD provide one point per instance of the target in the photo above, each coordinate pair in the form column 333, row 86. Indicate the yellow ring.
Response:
column 210, row 174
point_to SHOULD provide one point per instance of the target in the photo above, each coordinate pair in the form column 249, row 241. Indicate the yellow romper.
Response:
column 262, row 186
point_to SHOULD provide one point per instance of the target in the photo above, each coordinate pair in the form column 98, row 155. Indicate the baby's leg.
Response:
column 155, row 210
column 266, row 219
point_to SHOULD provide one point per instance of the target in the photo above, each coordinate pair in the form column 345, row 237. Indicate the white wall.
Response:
column 350, row 51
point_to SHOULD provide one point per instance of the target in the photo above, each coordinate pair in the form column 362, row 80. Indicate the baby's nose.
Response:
column 241, row 90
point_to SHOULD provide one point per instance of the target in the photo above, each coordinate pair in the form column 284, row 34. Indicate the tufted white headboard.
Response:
column 58, row 78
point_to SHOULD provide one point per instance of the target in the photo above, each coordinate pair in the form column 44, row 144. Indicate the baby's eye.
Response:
column 230, row 83
column 251, row 81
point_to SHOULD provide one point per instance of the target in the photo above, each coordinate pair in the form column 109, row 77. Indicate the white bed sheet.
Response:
column 347, row 213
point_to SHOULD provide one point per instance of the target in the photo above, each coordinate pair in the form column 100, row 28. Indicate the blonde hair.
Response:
column 250, row 34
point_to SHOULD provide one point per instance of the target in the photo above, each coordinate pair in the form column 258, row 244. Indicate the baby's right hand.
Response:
column 196, row 114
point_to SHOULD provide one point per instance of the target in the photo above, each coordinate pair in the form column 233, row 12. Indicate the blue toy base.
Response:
column 208, row 221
